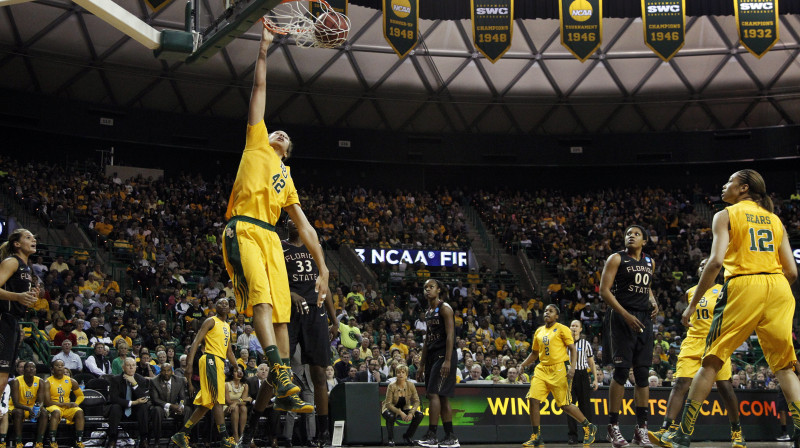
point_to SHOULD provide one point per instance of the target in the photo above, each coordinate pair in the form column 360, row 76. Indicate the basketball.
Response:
column 331, row 29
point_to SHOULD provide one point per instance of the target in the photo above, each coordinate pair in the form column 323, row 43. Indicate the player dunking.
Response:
column 216, row 333
column 554, row 346
column 251, row 248
column 17, row 294
column 689, row 360
column 438, row 364
column 750, row 242
column 626, row 287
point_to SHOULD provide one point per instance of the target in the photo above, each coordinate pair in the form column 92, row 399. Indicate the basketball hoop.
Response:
column 291, row 17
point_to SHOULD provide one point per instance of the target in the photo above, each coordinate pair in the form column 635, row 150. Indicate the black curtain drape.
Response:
column 548, row 9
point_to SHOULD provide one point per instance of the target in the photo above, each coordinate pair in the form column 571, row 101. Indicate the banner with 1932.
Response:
column 492, row 27
column 664, row 23
column 339, row 6
column 581, row 26
column 757, row 21
column 401, row 24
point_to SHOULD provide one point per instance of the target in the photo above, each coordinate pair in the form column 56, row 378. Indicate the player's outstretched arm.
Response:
column 258, row 96
column 310, row 239
column 787, row 259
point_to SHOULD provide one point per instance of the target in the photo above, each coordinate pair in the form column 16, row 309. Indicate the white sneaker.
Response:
column 784, row 438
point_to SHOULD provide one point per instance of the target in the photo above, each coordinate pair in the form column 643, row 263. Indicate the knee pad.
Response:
column 621, row 375
column 640, row 374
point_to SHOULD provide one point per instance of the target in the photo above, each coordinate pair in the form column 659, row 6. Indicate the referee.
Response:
column 581, row 382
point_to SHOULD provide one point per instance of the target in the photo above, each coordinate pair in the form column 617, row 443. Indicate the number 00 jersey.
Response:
column 302, row 270
column 701, row 319
column 755, row 237
column 632, row 282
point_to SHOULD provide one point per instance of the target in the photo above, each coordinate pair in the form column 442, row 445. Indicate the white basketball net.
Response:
column 293, row 18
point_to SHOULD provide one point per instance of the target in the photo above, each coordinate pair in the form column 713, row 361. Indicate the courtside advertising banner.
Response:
column 427, row 257
column 757, row 21
column 401, row 25
column 339, row 6
column 581, row 26
column 490, row 406
column 492, row 27
column 664, row 25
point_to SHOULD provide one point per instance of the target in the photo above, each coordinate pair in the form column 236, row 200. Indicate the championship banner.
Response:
column 581, row 26
column 664, row 26
column 339, row 6
column 757, row 21
column 157, row 5
column 401, row 25
column 492, row 27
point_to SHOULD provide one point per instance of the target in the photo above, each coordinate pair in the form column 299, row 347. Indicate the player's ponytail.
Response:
column 7, row 249
column 757, row 188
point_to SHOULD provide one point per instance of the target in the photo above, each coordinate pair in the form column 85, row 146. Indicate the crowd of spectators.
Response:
column 168, row 231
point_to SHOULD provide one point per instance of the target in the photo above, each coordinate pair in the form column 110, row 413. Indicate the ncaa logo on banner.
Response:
column 580, row 10
column 401, row 8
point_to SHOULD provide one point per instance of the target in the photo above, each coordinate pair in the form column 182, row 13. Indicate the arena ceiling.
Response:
column 54, row 47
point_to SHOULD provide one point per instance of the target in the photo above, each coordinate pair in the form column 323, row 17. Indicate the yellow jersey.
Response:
column 551, row 343
column 60, row 389
column 28, row 394
column 701, row 319
column 263, row 184
column 218, row 338
column 755, row 236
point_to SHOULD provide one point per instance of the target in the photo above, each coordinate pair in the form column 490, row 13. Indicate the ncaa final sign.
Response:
column 581, row 26
column 492, row 27
column 339, row 6
column 401, row 25
column 758, row 24
column 664, row 26
column 413, row 256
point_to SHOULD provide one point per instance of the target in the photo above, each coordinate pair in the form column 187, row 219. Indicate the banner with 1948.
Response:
column 757, row 21
column 401, row 24
column 492, row 27
column 339, row 6
column 581, row 26
column 664, row 23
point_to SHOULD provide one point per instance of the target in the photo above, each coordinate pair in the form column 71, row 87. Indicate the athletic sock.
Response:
column 667, row 423
column 286, row 361
column 448, row 427
column 585, row 422
column 783, row 429
column 272, row 354
column 795, row 408
column 52, row 435
column 3, row 438
column 223, row 431
column 322, row 424
column 613, row 418
column 188, row 425
column 641, row 416
column 432, row 429
column 535, row 429
column 690, row 411
column 79, row 436
column 39, row 438
column 736, row 426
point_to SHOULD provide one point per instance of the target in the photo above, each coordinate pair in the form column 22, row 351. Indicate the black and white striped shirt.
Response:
column 584, row 349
